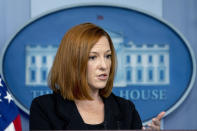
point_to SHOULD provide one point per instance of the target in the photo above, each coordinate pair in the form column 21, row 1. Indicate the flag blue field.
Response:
column 9, row 113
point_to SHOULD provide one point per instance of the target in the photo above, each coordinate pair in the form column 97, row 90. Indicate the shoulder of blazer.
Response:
column 123, row 107
column 128, row 115
column 58, row 111
column 54, row 104
column 43, row 102
column 122, row 102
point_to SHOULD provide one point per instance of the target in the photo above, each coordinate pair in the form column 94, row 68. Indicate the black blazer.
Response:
column 52, row 112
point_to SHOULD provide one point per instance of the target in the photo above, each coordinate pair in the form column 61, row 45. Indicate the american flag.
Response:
column 9, row 113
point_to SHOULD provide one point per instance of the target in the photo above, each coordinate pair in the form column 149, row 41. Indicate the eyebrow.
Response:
column 97, row 52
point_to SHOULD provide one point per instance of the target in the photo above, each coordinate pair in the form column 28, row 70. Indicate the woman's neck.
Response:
column 94, row 95
column 91, row 111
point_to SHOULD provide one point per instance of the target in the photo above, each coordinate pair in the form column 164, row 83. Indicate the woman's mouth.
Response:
column 103, row 77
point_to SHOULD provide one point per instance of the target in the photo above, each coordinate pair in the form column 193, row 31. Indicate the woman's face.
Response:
column 99, row 64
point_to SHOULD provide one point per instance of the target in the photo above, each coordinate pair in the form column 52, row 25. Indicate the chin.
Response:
column 99, row 86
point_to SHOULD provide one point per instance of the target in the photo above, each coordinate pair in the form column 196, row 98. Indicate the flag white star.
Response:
column 1, row 83
column 8, row 97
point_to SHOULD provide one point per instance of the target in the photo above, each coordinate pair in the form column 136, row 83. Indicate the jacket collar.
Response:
column 67, row 111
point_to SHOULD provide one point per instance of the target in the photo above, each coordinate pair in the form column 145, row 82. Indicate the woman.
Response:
column 82, row 78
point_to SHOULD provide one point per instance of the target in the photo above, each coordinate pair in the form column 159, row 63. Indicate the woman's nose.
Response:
column 103, row 64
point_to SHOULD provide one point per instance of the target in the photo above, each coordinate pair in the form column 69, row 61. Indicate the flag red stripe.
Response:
column 17, row 123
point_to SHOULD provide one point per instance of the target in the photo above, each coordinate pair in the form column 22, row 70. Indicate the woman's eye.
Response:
column 92, row 57
column 108, row 56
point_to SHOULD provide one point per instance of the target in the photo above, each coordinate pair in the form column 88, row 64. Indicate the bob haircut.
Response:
column 68, row 74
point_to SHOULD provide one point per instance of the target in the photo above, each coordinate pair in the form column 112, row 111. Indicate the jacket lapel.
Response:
column 67, row 111
column 112, row 113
